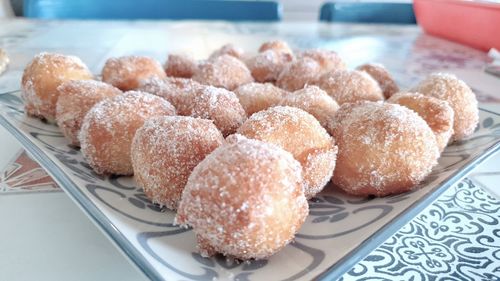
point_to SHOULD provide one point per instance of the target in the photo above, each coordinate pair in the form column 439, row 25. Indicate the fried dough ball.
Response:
column 228, row 49
column 255, row 97
column 76, row 98
column 178, row 91
column 181, row 66
column 223, row 71
column 244, row 200
column 165, row 151
column 346, row 86
column 299, row 73
column 382, row 76
column 313, row 100
column 109, row 127
column 277, row 45
column 328, row 60
column 191, row 98
column 299, row 133
column 126, row 73
column 437, row 113
column 267, row 66
column 459, row 96
column 42, row 76
column 219, row 105
column 384, row 148
column 272, row 58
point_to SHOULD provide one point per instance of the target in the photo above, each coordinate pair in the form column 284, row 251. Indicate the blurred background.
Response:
column 292, row 10
column 470, row 22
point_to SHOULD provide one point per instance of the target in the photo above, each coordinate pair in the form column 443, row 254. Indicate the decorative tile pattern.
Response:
column 455, row 238
column 23, row 174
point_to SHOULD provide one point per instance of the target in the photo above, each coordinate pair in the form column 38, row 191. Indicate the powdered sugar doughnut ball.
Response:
column 383, row 148
column 180, row 66
column 76, row 98
column 346, row 86
column 459, row 96
column 165, row 151
column 178, row 91
column 109, row 127
column 299, row 73
column 219, row 105
column 223, row 71
column 163, row 88
column 126, row 73
column 228, row 49
column 382, row 76
column 437, row 113
column 42, row 76
column 328, row 60
column 313, row 100
column 277, row 45
column 299, row 133
column 244, row 200
column 267, row 66
column 255, row 97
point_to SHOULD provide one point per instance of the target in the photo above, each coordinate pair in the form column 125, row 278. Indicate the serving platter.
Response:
column 339, row 231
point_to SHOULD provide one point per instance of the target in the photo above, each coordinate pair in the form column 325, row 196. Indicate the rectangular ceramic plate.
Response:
column 339, row 232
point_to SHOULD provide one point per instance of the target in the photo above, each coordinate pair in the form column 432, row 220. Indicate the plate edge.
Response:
column 334, row 272
column 342, row 266
column 89, row 208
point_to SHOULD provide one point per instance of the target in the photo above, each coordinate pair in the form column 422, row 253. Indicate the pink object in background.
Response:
column 474, row 23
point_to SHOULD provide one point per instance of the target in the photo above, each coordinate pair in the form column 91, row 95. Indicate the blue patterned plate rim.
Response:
column 85, row 203
column 382, row 234
column 338, row 269
column 332, row 273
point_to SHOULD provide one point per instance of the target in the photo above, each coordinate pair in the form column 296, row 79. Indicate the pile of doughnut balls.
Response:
column 238, row 143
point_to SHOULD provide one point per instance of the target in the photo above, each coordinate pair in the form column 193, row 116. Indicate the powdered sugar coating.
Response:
column 223, row 71
column 42, row 76
column 299, row 133
column 267, row 66
column 228, row 49
column 255, row 97
column 178, row 91
column 346, row 86
column 109, row 127
column 276, row 45
column 164, row 152
column 459, row 96
column 220, row 105
column 383, row 148
column 299, row 73
column 328, row 60
column 313, row 100
column 244, row 200
column 382, row 76
column 181, row 66
column 126, row 73
column 437, row 113
column 76, row 98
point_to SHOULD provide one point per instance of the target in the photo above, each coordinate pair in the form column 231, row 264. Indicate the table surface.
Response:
column 45, row 235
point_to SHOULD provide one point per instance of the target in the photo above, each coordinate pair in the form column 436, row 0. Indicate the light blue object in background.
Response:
column 231, row 10
column 368, row 12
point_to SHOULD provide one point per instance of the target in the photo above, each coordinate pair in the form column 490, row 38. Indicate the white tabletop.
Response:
column 44, row 234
